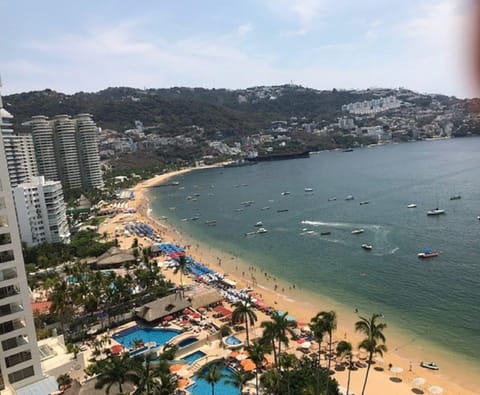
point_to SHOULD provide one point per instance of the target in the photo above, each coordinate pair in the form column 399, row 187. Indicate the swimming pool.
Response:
column 201, row 387
column 158, row 335
column 191, row 358
column 186, row 342
column 232, row 342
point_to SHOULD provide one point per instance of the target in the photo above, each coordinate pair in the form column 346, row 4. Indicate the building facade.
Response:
column 19, row 356
column 19, row 151
column 41, row 212
column 67, row 150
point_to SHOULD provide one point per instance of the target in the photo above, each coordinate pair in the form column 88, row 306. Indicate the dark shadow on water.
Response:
column 417, row 391
column 396, row 379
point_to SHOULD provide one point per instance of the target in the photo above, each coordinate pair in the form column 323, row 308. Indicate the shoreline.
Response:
column 304, row 304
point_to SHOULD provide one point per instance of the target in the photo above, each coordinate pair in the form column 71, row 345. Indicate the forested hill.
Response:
column 237, row 111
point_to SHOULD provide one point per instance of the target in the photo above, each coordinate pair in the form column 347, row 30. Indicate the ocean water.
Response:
column 436, row 299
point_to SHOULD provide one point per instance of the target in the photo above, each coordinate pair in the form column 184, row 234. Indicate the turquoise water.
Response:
column 436, row 300
column 201, row 387
column 159, row 336
column 191, row 358
column 187, row 342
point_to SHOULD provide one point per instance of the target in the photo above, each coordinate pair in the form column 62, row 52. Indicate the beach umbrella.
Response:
column 182, row 383
column 379, row 359
column 418, row 382
column 300, row 341
column 435, row 390
column 183, row 372
column 306, row 345
column 396, row 369
column 116, row 349
column 234, row 354
column 175, row 368
column 248, row 365
column 241, row 357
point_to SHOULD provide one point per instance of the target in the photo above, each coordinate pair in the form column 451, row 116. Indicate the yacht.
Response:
column 427, row 253
column 285, row 193
column 412, row 205
column 261, row 230
column 367, row 247
column 325, row 233
column 308, row 189
column 436, row 211
column 349, row 197
column 364, row 202
column 249, row 233
column 332, row 199
column 265, row 208
column 357, row 231
column 429, row 365
column 455, row 197
column 259, row 224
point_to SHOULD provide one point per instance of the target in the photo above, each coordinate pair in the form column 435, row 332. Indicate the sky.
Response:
column 87, row 45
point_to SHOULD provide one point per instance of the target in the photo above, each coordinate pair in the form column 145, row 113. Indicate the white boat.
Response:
column 436, row 211
column 364, row 202
column 349, row 197
column 332, row 199
column 259, row 224
column 261, row 230
column 308, row 189
column 249, row 233
column 265, row 208
column 285, row 193
column 367, row 247
column 357, row 231
column 412, row 205
column 429, row 365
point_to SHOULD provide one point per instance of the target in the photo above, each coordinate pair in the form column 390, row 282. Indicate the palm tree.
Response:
column 374, row 341
column 182, row 268
column 62, row 304
column 244, row 312
column 344, row 349
column 268, row 338
column 212, row 374
column 318, row 329
column 287, row 361
column 328, row 321
column 154, row 379
column 239, row 379
column 116, row 370
column 257, row 351
column 282, row 327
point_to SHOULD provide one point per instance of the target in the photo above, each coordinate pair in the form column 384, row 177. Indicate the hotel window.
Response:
column 5, row 239
column 3, row 221
column 20, row 357
column 21, row 374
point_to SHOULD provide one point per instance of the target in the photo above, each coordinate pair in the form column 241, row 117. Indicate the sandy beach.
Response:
column 402, row 353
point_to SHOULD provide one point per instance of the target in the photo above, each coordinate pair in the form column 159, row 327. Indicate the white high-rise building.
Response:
column 67, row 150
column 19, row 355
column 41, row 212
column 18, row 149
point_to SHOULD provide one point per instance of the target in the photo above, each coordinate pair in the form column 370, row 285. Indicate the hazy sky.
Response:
column 89, row 45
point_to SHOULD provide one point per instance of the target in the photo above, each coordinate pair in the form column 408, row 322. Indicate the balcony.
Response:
column 10, row 308
column 20, row 357
column 10, row 326
column 14, row 342
column 8, row 291
column 5, row 238
column 8, row 274
column 6, row 256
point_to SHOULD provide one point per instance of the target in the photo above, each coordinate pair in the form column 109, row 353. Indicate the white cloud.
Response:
column 244, row 30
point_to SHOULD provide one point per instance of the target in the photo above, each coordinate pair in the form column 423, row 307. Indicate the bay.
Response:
column 436, row 299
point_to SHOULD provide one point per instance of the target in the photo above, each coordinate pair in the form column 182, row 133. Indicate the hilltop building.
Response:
column 67, row 150
column 41, row 212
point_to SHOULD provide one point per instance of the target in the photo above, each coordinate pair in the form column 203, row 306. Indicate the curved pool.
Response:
column 232, row 342
column 158, row 335
column 201, row 387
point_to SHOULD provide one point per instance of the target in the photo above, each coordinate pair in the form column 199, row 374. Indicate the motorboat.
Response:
column 259, row 224
column 308, row 189
column 367, row 247
column 249, row 233
column 265, row 208
column 455, row 197
column 261, row 230
column 325, row 233
column 349, row 197
column 285, row 193
column 332, row 199
column 364, row 202
column 282, row 210
column 429, row 365
column 427, row 253
column 436, row 211
column 357, row 231
column 412, row 205
column 212, row 222
column 478, row 217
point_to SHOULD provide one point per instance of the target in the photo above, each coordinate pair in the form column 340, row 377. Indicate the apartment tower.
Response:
column 19, row 356
column 41, row 212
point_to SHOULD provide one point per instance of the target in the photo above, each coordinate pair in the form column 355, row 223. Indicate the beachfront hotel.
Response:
column 19, row 357
column 41, row 212
column 67, row 150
